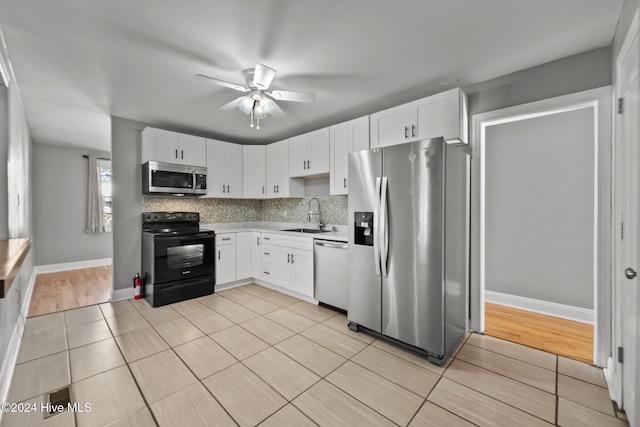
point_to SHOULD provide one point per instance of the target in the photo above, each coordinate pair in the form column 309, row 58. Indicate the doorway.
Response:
column 541, row 187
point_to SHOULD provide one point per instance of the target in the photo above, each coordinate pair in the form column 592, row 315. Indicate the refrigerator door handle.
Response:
column 376, row 222
column 384, row 225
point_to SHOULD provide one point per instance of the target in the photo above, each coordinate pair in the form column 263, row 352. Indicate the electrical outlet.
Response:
column 285, row 213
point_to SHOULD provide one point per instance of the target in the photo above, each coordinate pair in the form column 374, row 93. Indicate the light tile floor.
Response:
column 252, row 356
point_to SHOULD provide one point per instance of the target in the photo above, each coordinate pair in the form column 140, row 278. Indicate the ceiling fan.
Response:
column 259, row 101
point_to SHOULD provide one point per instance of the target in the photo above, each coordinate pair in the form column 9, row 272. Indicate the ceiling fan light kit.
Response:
column 259, row 103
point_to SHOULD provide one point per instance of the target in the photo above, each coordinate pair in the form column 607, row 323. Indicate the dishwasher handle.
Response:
column 334, row 245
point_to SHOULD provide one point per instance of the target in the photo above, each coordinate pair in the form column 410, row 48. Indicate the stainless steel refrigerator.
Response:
column 409, row 244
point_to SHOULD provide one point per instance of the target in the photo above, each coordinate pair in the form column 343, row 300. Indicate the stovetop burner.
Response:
column 173, row 224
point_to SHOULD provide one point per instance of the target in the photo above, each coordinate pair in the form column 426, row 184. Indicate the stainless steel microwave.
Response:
column 172, row 179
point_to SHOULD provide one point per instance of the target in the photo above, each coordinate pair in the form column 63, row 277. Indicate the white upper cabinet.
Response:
column 345, row 138
column 443, row 114
column 309, row 154
column 172, row 147
column 254, row 171
column 279, row 183
column 224, row 169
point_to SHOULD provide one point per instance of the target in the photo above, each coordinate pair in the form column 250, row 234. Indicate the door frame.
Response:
column 614, row 369
column 600, row 99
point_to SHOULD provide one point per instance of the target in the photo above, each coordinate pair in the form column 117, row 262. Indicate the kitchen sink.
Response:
column 307, row 230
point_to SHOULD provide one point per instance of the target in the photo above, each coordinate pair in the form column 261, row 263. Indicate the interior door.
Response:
column 627, row 282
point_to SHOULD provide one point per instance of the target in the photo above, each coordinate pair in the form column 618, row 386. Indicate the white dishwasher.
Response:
column 330, row 272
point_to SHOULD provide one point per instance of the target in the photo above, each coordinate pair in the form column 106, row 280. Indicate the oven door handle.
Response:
column 186, row 238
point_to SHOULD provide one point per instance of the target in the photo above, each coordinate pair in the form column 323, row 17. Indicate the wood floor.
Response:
column 552, row 334
column 65, row 290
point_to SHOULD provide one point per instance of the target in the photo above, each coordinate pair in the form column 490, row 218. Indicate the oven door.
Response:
column 183, row 257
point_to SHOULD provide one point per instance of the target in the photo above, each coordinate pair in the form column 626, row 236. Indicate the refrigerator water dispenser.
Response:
column 363, row 228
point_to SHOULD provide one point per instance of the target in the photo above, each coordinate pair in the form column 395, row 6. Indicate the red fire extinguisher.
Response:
column 137, row 286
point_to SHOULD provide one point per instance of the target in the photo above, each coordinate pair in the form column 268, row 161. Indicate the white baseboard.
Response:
column 569, row 312
column 76, row 265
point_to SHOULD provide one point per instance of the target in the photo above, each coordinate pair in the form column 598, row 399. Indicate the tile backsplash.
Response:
column 333, row 209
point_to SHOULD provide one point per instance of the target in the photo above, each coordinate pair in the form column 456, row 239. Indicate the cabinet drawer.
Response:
column 304, row 243
column 275, row 239
column 225, row 239
column 268, row 253
column 267, row 272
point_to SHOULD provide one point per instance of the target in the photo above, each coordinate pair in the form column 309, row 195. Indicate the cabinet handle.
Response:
column 267, row 238
column 291, row 258
column 176, row 153
column 288, row 258
column 266, row 253
column 258, row 241
column 226, row 238
column 274, row 188
column 267, row 273
column 218, row 254
column 304, row 164
column 277, row 188
column 263, row 189
column 413, row 131
column 406, row 132
column 345, row 183
column 182, row 154
column 228, row 189
column 223, row 188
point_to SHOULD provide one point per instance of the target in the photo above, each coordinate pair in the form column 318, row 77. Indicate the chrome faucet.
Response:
column 316, row 213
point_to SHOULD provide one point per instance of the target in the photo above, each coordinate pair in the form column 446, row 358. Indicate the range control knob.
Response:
column 147, row 217
column 156, row 217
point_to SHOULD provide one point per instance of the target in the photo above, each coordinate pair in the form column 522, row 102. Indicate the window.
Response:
column 105, row 187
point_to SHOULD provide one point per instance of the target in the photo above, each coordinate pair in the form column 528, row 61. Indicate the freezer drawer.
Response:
column 330, row 276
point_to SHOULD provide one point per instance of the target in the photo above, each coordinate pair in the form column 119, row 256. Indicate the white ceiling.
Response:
column 79, row 62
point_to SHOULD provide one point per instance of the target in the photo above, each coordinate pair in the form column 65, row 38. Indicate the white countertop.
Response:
column 340, row 235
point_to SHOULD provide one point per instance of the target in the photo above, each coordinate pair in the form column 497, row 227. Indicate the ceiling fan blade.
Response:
column 232, row 104
column 295, row 96
column 263, row 76
column 277, row 112
column 222, row 83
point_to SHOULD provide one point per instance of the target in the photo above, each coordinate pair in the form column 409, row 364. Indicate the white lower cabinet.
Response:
column 256, row 255
column 287, row 262
column 225, row 258
column 244, row 251
column 302, row 272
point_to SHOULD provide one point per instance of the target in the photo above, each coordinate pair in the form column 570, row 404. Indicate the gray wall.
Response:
column 127, row 200
column 60, row 180
column 540, row 208
column 572, row 74
column 4, row 157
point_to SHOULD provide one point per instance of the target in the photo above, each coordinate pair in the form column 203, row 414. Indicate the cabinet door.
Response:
column 278, row 182
column 298, row 155
column 338, row 152
column 440, row 115
column 256, row 255
column 244, row 253
column 302, row 272
column 359, row 134
column 233, row 170
column 390, row 127
column 160, row 145
column 225, row 264
column 216, row 185
column 192, row 150
column 254, row 171
column 281, row 275
column 318, row 152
